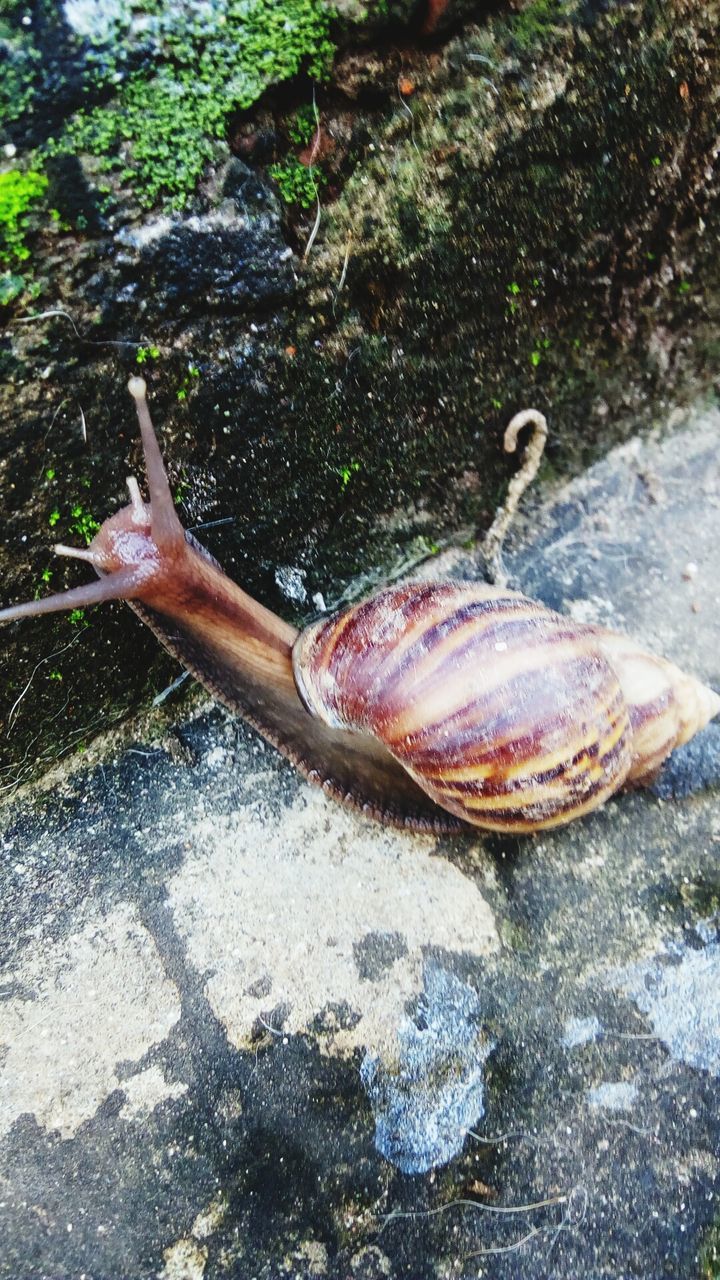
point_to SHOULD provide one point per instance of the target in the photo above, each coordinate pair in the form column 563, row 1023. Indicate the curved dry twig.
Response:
column 496, row 534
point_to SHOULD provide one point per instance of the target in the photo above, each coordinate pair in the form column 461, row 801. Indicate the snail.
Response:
column 432, row 705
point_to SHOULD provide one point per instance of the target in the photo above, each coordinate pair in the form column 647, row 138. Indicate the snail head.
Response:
column 133, row 549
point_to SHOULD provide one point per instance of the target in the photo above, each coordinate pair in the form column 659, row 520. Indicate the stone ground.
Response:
column 245, row 1033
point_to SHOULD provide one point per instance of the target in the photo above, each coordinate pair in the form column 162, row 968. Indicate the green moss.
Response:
column 190, row 380
column 20, row 193
column 163, row 128
column 702, row 895
column 143, row 354
column 537, row 22
column 298, row 182
column 710, row 1255
column 83, row 523
column 19, row 64
column 347, row 472
column 302, row 126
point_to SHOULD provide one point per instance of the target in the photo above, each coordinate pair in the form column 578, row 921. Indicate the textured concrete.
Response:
column 245, row 1033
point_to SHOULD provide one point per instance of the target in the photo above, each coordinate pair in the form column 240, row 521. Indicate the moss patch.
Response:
column 298, row 183
column 537, row 22
column 20, row 193
column 165, row 123
column 710, row 1256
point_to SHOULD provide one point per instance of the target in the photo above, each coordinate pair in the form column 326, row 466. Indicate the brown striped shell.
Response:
column 507, row 714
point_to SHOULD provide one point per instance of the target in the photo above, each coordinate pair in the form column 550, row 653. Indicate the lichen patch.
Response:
column 96, row 999
column 275, row 915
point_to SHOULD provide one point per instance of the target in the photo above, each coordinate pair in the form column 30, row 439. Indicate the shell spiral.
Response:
column 508, row 715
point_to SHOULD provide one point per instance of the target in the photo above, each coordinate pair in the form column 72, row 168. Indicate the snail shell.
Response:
column 507, row 714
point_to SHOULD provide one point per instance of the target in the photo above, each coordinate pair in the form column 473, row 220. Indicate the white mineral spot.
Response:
column 680, row 994
column 146, row 1090
column 578, row 1031
column 272, row 911
column 96, row 19
column 97, row 998
column 613, row 1095
column 139, row 237
column 594, row 609
column 291, row 581
column 216, row 758
column 433, row 1092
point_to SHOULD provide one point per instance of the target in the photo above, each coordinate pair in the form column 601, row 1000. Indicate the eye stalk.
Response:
column 129, row 546
column 167, row 531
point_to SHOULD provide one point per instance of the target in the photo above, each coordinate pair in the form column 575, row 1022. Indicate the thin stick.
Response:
column 476, row 1204
column 316, row 225
column 496, row 534
column 92, row 342
column 165, row 693
column 316, row 139
column 343, row 273
column 318, row 215
column 508, row 1248
column 55, row 654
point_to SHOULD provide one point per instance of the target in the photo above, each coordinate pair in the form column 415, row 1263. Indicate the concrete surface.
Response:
column 245, row 1033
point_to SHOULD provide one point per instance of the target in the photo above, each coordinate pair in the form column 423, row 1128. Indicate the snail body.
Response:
column 429, row 705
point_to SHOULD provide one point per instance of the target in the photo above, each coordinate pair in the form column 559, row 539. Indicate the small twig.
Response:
column 318, row 133
column 275, row 1031
column 634, row 1128
column 91, row 342
column 12, row 714
column 570, row 1218
column 316, row 224
column 516, row 1136
column 211, row 524
column 343, row 273
column 165, row 693
column 496, row 534
column 405, row 106
column 47, row 315
column 463, row 1202
column 507, row 1248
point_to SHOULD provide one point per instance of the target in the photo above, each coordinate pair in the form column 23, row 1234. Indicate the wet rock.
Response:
column 215, row 261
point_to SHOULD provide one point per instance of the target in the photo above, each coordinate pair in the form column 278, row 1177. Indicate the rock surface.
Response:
column 246, row 1033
